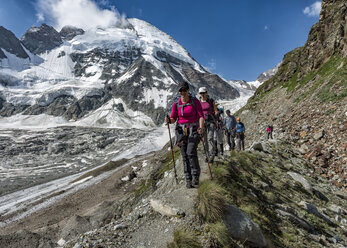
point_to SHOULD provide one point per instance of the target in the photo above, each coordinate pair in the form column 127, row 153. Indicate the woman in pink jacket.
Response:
column 188, row 113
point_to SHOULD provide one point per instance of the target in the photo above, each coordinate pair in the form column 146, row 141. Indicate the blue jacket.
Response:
column 230, row 122
column 240, row 128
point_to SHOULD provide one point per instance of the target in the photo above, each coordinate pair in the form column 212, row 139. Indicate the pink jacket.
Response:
column 190, row 114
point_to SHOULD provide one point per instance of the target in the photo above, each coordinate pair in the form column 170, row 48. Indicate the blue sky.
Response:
column 233, row 38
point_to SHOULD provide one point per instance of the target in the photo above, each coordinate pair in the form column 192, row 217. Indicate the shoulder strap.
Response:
column 192, row 98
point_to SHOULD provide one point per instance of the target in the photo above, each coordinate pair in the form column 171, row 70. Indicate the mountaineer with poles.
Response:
column 190, row 125
column 209, row 109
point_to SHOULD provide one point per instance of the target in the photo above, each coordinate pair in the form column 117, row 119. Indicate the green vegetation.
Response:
column 211, row 201
column 184, row 239
column 256, row 184
column 292, row 82
column 220, row 236
column 328, row 82
column 143, row 187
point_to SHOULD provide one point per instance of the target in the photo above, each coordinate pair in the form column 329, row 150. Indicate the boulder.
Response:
column 258, row 147
column 243, row 228
column 318, row 135
column 164, row 209
column 298, row 178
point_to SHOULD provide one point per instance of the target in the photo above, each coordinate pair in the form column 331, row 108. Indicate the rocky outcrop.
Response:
column 69, row 32
column 306, row 98
column 41, row 39
column 326, row 38
column 243, row 228
column 11, row 44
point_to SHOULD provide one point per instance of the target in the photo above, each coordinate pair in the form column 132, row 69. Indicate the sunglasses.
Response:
column 183, row 90
column 201, row 93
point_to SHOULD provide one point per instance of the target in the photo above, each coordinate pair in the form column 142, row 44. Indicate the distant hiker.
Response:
column 209, row 109
column 187, row 110
column 218, row 135
column 269, row 131
column 230, row 129
column 240, row 134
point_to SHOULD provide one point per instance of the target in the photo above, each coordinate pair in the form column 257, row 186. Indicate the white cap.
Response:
column 202, row 90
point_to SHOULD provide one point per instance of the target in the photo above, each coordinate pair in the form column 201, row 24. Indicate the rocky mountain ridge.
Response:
column 10, row 43
column 306, row 99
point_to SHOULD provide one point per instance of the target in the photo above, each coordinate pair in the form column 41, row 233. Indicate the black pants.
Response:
column 269, row 135
column 230, row 139
column 190, row 156
column 240, row 141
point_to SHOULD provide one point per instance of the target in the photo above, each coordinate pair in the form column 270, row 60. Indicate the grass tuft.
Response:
column 219, row 235
column 184, row 239
column 211, row 201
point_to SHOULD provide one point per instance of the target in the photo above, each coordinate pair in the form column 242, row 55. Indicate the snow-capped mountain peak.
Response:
column 74, row 73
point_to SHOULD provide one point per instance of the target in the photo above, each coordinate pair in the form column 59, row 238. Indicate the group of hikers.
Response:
column 201, row 120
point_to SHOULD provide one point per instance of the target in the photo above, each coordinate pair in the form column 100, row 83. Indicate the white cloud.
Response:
column 40, row 17
column 314, row 9
column 84, row 14
column 211, row 65
column 104, row 2
column 266, row 27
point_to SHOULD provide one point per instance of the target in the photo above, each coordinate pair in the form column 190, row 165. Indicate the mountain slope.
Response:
column 306, row 99
column 75, row 72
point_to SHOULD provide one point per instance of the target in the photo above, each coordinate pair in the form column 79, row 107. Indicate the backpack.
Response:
column 211, row 117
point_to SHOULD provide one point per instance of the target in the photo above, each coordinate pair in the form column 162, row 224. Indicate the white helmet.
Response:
column 202, row 90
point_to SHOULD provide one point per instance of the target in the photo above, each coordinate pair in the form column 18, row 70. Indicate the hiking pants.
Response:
column 190, row 156
column 230, row 139
column 240, row 141
column 218, row 136
column 269, row 135
column 209, row 139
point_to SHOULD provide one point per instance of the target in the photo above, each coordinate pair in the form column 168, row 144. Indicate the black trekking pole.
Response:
column 172, row 152
column 208, row 162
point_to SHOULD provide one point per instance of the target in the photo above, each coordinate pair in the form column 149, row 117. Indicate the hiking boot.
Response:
column 195, row 181
column 189, row 185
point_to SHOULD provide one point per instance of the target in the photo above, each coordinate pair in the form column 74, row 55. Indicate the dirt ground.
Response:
column 92, row 204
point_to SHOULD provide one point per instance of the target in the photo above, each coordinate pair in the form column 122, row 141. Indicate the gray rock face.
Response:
column 243, row 228
column 69, row 32
column 294, row 219
column 11, row 44
column 41, row 39
column 9, row 109
column 310, row 208
column 301, row 180
column 2, row 55
column 268, row 74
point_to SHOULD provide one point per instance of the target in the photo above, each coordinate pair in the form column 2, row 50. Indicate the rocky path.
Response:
column 269, row 187
column 154, row 217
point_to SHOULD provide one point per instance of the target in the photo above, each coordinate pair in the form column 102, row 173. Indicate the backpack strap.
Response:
column 192, row 103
